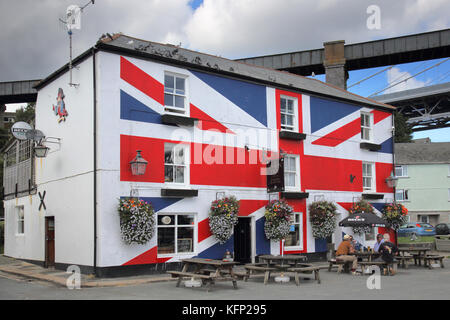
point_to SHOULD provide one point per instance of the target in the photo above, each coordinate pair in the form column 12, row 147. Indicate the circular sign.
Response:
column 35, row 135
column 166, row 220
column 19, row 130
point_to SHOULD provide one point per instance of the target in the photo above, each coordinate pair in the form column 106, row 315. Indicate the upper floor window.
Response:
column 175, row 94
column 368, row 176
column 176, row 161
column 401, row 171
column 366, row 126
column 288, row 111
column 401, row 195
column 291, row 172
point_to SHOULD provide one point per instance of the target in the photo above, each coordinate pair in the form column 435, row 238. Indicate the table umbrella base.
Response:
column 282, row 279
column 192, row 283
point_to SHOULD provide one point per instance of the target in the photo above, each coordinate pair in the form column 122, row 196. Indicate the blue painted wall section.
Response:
column 325, row 112
column 133, row 109
column 321, row 245
column 262, row 243
column 387, row 146
column 248, row 96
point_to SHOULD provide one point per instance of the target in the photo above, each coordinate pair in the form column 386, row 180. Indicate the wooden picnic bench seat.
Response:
column 251, row 268
column 436, row 258
column 181, row 274
column 403, row 259
column 304, row 270
column 383, row 264
column 342, row 265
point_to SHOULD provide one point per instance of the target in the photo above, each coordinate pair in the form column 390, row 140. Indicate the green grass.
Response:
column 419, row 239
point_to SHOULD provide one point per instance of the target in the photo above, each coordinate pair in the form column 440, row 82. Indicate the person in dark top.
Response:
column 388, row 251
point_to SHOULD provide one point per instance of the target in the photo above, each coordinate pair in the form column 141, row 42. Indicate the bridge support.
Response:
column 335, row 63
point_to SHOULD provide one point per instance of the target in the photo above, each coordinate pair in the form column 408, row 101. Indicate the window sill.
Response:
column 294, row 195
column 172, row 192
column 370, row 146
column 178, row 120
column 291, row 135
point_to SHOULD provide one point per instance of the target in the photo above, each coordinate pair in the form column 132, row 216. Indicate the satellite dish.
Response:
column 36, row 135
column 19, row 130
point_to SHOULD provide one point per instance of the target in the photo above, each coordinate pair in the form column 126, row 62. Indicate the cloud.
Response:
column 34, row 44
column 395, row 75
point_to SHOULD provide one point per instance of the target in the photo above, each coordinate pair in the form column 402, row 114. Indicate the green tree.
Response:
column 25, row 114
column 403, row 131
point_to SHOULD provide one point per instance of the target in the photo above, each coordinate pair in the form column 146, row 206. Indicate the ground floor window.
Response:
column 294, row 240
column 176, row 233
column 20, row 220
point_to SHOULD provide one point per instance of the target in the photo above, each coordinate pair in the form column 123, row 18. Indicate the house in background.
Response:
column 423, row 169
column 203, row 123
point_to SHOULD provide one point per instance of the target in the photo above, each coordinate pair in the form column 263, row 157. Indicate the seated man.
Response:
column 343, row 251
column 388, row 251
column 380, row 240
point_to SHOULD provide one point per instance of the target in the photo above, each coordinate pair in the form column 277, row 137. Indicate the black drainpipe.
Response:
column 95, row 158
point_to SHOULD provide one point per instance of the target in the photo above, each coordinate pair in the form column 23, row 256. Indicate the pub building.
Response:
column 200, row 127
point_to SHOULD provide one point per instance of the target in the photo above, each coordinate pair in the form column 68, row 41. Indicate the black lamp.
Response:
column 40, row 151
column 138, row 164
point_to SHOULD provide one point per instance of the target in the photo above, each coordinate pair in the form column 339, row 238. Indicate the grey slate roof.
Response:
column 175, row 54
column 422, row 153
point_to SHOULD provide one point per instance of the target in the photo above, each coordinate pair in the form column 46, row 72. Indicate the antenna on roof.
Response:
column 72, row 21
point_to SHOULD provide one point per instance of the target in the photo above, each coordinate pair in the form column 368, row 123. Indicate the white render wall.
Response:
column 66, row 174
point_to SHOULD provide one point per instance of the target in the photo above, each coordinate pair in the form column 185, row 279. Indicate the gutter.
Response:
column 94, row 78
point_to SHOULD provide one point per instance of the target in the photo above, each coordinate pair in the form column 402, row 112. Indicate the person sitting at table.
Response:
column 388, row 251
column 377, row 244
column 343, row 253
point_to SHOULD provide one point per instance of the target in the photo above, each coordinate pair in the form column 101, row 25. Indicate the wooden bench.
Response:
column 381, row 264
column 304, row 270
column 403, row 260
column 250, row 268
column 342, row 265
column 435, row 258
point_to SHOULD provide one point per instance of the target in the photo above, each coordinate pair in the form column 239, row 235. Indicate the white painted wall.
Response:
column 66, row 174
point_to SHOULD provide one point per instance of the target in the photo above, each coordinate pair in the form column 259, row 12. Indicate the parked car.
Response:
column 443, row 228
column 417, row 228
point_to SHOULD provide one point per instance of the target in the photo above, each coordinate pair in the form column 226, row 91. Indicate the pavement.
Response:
column 31, row 271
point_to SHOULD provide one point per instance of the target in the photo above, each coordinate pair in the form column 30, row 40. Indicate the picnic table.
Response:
column 417, row 253
column 366, row 255
column 282, row 261
column 209, row 271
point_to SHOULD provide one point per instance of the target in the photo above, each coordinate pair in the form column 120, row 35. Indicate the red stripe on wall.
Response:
column 141, row 80
column 345, row 205
column 207, row 122
column 382, row 171
column 322, row 173
column 247, row 207
column 379, row 115
column 148, row 257
column 340, row 135
column 204, row 231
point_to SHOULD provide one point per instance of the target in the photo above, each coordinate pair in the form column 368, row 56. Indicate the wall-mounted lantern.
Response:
column 392, row 181
column 138, row 164
column 40, row 151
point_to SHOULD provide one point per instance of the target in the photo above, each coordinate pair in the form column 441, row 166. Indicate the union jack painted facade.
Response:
column 238, row 120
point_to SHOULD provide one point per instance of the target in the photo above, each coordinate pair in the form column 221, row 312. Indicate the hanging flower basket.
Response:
column 395, row 214
column 223, row 216
column 358, row 207
column 278, row 220
column 322, row 215
column 137, row 220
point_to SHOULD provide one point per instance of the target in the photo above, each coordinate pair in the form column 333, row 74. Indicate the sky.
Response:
column 34, row 43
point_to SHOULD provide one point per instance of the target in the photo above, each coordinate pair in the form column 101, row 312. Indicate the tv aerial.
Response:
column 72, row 21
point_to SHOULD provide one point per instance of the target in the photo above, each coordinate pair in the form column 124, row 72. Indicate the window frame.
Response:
column 404, row 192
column 404, row 169
column 297, row 172
column 20, row 220
column 300, row 226
column 369, row 128
column 186, row 165
column 294, row 115
column 173, row 109
column 373, row 177
column 175, row 226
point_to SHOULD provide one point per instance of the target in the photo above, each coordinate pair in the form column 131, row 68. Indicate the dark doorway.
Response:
column 242, row 241
column 49, row 242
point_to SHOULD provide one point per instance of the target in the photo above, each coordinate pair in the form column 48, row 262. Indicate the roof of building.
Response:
column 422, row 153
column 172, row 54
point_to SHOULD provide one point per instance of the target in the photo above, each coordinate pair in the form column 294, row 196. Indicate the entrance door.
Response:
column 49, row 242
column 242, row 241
